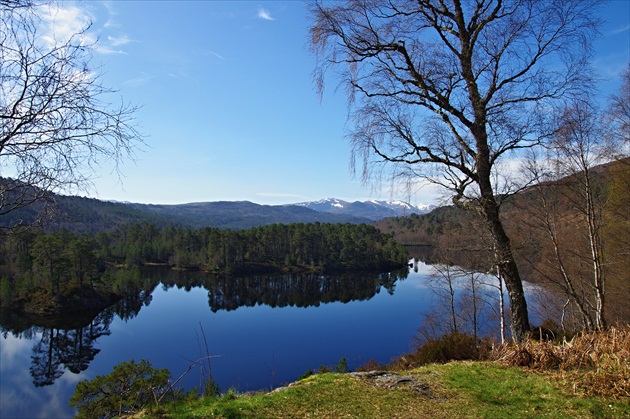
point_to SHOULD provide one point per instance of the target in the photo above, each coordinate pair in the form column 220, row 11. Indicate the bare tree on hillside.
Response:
column 575, row 213
column 617, row 117
column 56, row 119
column 446, row 89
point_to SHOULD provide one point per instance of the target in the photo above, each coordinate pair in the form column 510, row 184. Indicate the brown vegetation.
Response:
column 454, row 346
column 595, row 364
column 553, row 243
column 589, row 364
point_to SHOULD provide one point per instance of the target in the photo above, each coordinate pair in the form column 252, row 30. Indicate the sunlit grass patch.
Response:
column 457, row 389
column 499, row 391
column 322, row 395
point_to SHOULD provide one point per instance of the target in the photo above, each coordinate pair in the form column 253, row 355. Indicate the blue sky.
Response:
column 228, row 104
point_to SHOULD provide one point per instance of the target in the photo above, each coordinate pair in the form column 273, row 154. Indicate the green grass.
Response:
column 458, row 390
column 497, row 392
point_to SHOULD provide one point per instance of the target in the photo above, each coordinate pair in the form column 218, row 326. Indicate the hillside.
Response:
column 81, row 214
column 530, row 218
column 238, row 215
column 454, row 390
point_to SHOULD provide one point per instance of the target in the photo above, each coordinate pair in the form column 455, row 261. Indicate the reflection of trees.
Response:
column 130, row 306
column 300, row 290
column 137, row 288
column 77, row 346
column 69, row 344
column 45, row 365
column 71, row 348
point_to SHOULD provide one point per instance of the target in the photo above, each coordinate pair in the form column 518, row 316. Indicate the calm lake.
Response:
column 265, row 331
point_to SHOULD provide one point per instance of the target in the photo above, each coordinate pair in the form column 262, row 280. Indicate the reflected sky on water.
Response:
column 253, row 347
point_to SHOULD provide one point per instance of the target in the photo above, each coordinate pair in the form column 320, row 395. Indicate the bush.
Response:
column 307, row 374
column 451, row 347
column 128, row 389
column 372, row 365
column 342, row 367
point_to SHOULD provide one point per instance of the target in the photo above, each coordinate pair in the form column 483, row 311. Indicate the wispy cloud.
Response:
column 65, row 23
column 116, row 41
column 264, row 14
column 216, row 54
column 110, row 23
column 110, row 44
column 107, row 50
column 143, row 78
column 619, row 30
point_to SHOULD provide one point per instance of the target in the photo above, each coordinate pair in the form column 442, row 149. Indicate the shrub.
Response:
column 342, row 367
column 128, row 389
column 371, row 365
column 451, row 347
column 307, row 374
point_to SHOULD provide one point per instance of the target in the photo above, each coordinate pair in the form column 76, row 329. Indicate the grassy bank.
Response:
column 463, row 389
column 455, row 376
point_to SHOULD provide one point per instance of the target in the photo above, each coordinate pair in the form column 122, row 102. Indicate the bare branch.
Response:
column 445, row 89
column 57, row 121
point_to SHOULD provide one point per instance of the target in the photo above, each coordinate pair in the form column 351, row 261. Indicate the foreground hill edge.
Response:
column 587, row 376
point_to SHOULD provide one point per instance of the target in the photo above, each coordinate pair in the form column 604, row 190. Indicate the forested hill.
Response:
column 611, row 182
column 80, row 214
column 553, row 227
column 238, row 215
column 70, row 267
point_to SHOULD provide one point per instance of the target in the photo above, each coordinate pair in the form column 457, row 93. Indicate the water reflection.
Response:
column 59, row 350
column 296, row 290
column 59, row 346
column 68, row 343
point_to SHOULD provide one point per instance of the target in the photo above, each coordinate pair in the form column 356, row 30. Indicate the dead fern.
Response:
column 595, row 363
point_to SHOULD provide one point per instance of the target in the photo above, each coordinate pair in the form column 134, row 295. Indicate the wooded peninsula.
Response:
column 51, row 272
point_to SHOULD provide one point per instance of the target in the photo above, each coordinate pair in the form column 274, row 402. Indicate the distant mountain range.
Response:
column 88, row 214
column 373, row 210
column 245, row 214
column 237, row 215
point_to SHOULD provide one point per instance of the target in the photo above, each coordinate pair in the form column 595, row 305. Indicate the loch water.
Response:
column 262, row 332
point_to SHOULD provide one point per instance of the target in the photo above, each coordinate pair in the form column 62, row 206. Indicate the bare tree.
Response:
column 579, row 145
column 572, row 211
column 617, row 118
column 56, row 121
column 556, row 269
column 442, row 284
column 445, row 90
column 583, row 212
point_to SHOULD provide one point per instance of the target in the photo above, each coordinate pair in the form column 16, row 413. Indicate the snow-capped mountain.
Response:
column 373, row 210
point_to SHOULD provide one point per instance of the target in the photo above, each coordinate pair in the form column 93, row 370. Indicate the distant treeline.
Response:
column 323, row 247
column 56, row 262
